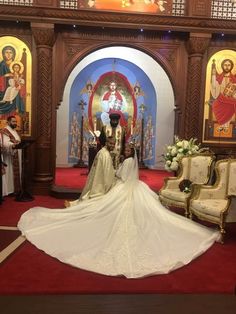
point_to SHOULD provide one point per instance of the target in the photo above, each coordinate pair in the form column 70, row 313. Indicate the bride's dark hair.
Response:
column 132, row 151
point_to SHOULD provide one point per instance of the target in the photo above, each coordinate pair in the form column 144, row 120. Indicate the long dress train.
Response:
column 124, row 232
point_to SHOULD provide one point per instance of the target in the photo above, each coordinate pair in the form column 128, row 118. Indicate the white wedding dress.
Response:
column 124, row 232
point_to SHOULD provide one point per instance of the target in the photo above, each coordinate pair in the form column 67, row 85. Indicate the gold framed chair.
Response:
column 196, row 168
column 217, row 203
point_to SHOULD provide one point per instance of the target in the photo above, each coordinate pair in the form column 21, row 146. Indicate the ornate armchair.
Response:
column 196, row 168
column 216, row 203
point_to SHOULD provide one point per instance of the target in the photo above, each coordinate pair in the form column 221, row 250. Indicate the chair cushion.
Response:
column 200, row 169
column 211, row 207
column 175, row 195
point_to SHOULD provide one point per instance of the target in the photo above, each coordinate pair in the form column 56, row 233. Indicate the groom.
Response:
column 101, row 176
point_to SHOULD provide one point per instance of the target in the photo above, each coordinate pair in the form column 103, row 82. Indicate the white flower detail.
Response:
column 174, row 166
column 179, row 149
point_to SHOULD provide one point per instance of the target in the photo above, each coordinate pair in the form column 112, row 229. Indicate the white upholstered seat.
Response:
column 217, row 203
column 196, row 168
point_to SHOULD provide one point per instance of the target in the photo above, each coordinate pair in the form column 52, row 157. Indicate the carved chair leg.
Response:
column 222, row 231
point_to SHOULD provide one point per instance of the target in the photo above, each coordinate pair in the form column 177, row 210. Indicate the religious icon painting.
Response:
column 15, row 83
column 144, row 6
column 219, row 124
column 112, row 93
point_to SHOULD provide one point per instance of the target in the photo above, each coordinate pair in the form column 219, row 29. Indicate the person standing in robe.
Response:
column 11, row 157
column 101, row 176
column 118, row 132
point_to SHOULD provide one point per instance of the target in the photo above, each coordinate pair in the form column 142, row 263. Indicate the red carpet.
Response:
column 76, row 177
column 10, row 210
column 7, row 237
column 30, row 271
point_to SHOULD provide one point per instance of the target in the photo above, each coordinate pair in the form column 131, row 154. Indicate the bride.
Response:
column 124, row 232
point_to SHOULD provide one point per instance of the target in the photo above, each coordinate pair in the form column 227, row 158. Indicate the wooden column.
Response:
column 44, row 157
column 196, row 46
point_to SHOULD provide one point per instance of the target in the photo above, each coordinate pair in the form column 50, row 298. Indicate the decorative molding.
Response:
column 72, row 49
column 43, row 36
column 169, row 55
column 18, row 30
column 223, row 44
column 111, row 34
column 198, row 45
column 115, row 19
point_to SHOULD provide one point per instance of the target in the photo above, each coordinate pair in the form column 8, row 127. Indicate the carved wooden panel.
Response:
column 73, row 49
column 44, row 94
column 21, row 32
column 196, row 47
column 44, row 38
column 169, row 55
column 199, row 8
column 76, row 45
column 192, row 108
column 43, row 34
column 45, row 3
column 115, row 19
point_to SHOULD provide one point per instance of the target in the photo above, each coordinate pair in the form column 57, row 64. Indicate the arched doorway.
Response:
column 142, row 64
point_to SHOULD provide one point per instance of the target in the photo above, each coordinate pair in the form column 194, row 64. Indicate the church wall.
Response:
column 58, row 47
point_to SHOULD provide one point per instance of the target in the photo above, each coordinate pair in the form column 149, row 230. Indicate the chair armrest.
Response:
column 172, row 182
column 208, row 192
column 195, row 190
